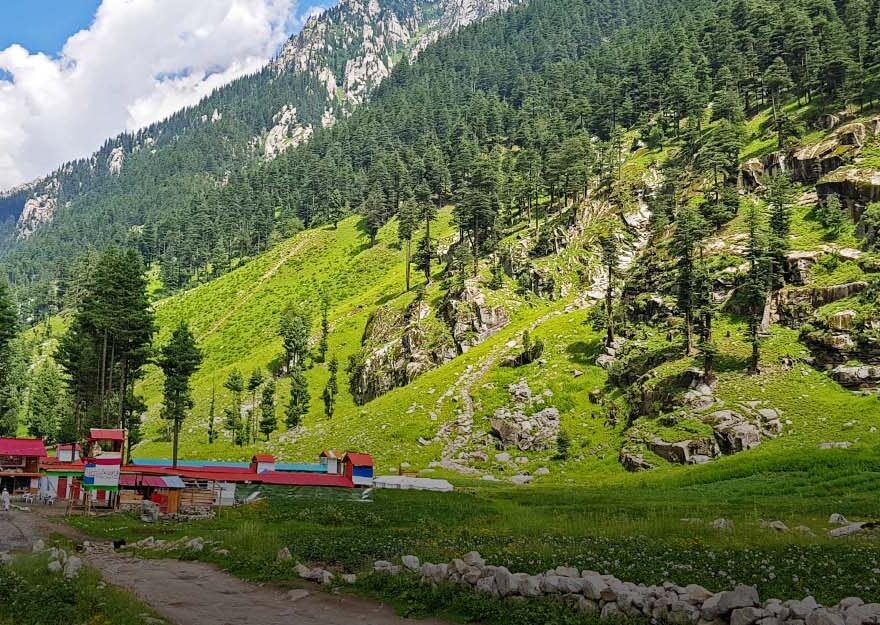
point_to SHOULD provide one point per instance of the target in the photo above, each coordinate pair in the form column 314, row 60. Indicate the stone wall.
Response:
column 612, row 599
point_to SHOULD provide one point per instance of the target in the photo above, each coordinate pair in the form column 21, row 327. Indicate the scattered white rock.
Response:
column 72, row 567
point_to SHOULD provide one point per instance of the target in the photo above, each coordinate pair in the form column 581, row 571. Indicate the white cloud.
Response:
column 138, row 62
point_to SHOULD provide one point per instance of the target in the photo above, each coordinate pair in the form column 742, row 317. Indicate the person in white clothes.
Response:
column 5, row 500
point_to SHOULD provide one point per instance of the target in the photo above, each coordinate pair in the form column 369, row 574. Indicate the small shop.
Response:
column 20, row 465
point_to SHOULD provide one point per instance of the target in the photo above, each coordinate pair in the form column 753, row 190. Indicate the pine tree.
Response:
column 324, row 341
column 254, row 383
column 8, row 327
column 235, row 385
column 779, row 198
column 407, row 222
column 298, row 407
column 295, row 328
column 776, row 80
column 268, row 420
column 212, row 434
column 179, row 360
column 332, row 387
column 754, row 290
column 610, row 260
column 48, row 405
column 690, row 229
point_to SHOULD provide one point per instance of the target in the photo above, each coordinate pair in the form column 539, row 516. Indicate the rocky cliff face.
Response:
column 353, row 47
column 400, row 345
column 38, row 209
column 397, row 347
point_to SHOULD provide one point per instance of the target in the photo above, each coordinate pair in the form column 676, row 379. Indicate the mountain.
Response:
column 142, row 187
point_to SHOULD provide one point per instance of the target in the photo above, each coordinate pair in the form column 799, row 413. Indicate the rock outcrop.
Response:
column 528, row 424
column 471, row 319
column 374, row 38
column 399, row 346
column 855, row 186
column 286, row 133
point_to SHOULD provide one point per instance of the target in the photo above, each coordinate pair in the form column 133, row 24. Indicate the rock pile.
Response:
column 612, row 599
column 181, row 544
column 514, row 428
column 60, row 561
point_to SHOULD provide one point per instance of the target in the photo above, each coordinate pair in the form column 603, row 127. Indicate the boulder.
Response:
column 847, row 530
column 801, row 609
column 824, row 616
column 747, row 615
column 55, row 566
column 634, row 462
column 487, row 585
column 515, row 429
column 505, row 582
column 410, row 563
column 684, row 452
column 843, row 320
column 779, row 526
column 72, row 567
column 837, row 519
column 473, row 558
column 736, row 436
column 857, row 376
column 594, row 586
column 531, row 586
column 740, row 597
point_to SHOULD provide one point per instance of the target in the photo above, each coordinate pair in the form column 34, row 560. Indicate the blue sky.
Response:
column 43, row 25
column 132, row 63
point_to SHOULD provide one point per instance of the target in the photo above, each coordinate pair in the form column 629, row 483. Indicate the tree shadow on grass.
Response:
column 731, row 362
column 584, row 352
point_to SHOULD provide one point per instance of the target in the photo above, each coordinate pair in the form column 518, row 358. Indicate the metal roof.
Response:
column 106, row 435
column 358, row 460
column 30, row 447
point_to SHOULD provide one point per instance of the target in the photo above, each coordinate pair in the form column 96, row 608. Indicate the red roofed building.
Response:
column 358, row 468
column 20, row 464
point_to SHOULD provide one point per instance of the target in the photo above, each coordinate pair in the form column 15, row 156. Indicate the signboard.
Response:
column 101, row 476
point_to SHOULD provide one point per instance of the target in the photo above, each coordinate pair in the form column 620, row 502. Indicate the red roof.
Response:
column 330, row 453
column 358, row 460
column 29, row 447
column 263, row 458
column 106, row 435
column 284, row 478
column 226, row 474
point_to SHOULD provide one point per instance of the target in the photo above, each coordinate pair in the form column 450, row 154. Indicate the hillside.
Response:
column 729, row 227
column 444, row 414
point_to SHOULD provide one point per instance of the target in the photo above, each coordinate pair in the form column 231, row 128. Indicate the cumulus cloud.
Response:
column 138, row 62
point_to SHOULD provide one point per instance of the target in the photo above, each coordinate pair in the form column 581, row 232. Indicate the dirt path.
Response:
column 243, row 299
column 194, row 593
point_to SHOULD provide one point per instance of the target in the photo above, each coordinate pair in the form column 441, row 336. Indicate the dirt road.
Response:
column 193, row 593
